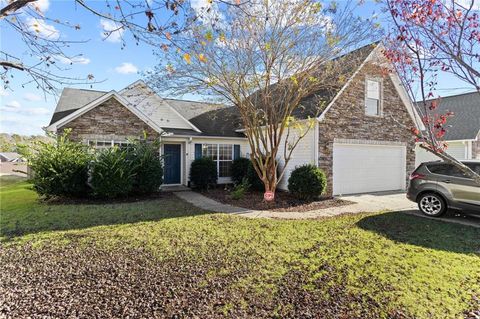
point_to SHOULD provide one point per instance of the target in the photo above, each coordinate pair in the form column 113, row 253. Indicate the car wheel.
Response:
column 432, row 205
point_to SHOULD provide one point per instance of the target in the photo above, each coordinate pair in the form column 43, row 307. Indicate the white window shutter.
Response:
column 373, row 90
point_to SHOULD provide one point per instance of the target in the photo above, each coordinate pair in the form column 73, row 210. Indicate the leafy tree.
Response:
column 431, row 37
column 265, row 58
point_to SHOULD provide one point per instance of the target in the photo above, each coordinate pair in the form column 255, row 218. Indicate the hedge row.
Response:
column 70, row 169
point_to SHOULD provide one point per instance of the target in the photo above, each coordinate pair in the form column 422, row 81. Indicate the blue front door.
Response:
column 172, row 160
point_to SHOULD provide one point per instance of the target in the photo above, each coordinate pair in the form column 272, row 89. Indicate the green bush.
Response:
column 111, row 173
column 240, row 189
column 307, row 182
column 147, row 166
column 253, row 178
column 239, row 169
column 59, row 168
column 243, row 168
column 203, row 173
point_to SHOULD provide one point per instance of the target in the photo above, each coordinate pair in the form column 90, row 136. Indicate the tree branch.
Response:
column 14, row 6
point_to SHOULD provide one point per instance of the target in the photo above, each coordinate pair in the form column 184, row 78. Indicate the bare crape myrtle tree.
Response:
column 265, row 58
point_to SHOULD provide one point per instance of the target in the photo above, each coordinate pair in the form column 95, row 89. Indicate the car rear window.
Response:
column 446, row 169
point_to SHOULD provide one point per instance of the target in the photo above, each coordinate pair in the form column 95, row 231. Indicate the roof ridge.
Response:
column 88, row 90
column 202, row 102
column 450, row 96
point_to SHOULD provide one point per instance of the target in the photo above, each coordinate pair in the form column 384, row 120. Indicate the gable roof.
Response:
column 207, row 119
column 212, row 119
column 142, row 97
column 318, row 102
column 9, row 156
column 192, row 118
column 73, row 99
column 105, row 97
column 465, row 122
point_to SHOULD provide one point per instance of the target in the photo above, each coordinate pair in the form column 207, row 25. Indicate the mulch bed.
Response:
column 284, row 201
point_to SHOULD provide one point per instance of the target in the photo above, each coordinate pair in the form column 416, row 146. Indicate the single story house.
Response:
column 463, row 132
column 358, row 139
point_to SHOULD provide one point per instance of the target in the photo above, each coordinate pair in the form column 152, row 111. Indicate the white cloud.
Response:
column 72, row 60
column 43, row 29
column 31, row 97
column 207, row 12
column 113, row 27
column 41, row 5
column 126, row 68
column 25, row 111
column 13, row 105
column 36, row 111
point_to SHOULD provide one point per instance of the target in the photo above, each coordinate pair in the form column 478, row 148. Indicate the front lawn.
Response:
column 165, row 258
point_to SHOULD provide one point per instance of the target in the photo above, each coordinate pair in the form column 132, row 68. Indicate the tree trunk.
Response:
column 270, row 183
column 269, row 195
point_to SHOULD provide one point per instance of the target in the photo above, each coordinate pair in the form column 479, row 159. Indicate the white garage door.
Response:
column 456, row 149
column 363, row 168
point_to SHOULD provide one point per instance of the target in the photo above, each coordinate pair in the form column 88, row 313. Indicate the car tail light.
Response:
column 416, row 176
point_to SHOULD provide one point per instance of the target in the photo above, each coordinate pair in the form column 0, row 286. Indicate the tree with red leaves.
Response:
column 430, row 37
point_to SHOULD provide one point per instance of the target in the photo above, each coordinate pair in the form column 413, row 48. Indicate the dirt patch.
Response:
column 284, row 201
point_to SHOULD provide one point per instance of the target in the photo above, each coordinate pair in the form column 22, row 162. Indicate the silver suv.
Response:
column 439, row 186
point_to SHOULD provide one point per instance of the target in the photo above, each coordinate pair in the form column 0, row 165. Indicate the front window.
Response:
column 222, row 154
column 373, row 98
column 101, row 144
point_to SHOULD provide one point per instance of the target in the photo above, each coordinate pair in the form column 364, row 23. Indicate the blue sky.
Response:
column 27, row 110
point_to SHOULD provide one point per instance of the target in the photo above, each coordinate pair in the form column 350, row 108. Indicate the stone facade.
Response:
column 346, row 119
column 107, row 121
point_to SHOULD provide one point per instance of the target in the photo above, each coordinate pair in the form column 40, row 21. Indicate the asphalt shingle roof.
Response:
column 215, row 119
column 73, row 99
column 211, row 119
column 465, row 123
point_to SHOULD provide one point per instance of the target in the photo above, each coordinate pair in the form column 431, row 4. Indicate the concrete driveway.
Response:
column 380, row 201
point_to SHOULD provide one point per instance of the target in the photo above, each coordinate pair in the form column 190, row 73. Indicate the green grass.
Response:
column 23, row 214
column 396, row 262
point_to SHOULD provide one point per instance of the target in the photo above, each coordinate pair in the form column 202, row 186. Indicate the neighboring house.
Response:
column 11, row 157
column 359, row 138
column 463, row 132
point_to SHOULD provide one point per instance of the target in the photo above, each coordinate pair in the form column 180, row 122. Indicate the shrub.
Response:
column 111, row 173
column 240, row 189
column 307, row 182
column 147, row 166
column 203, row 173
column 253, row 178
column 59, row 168
column 239, row 169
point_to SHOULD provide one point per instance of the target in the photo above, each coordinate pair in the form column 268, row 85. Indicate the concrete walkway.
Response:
column 362, row 203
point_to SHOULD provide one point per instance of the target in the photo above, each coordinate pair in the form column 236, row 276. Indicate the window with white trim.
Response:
column 101, row 144
column 373, row 97
column 222, row 154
